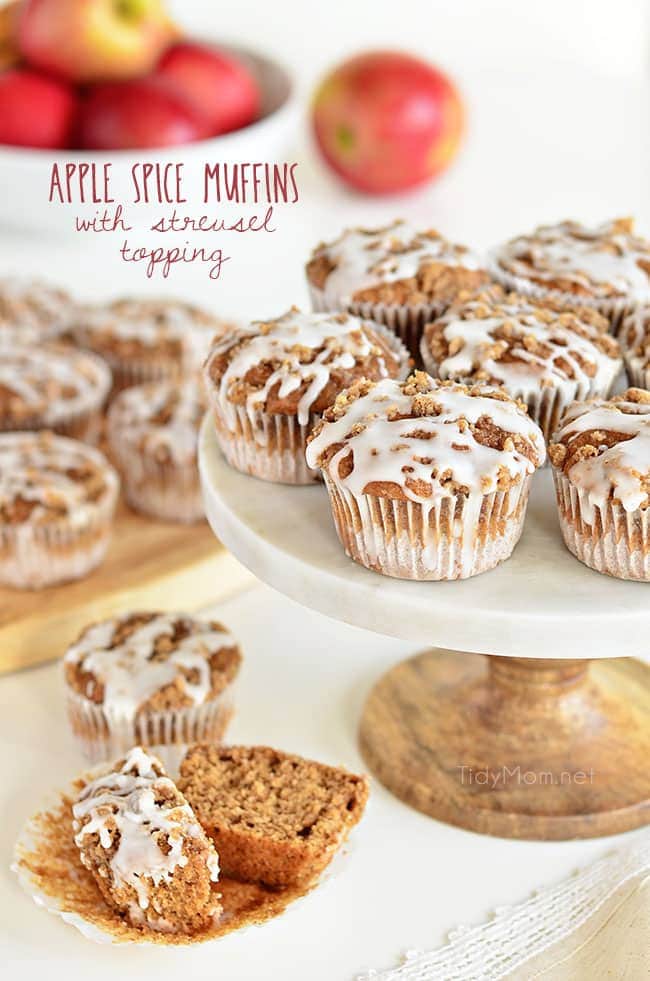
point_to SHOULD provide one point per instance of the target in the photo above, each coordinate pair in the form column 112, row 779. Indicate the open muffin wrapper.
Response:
column 614, row 541
column 103, row 734
column 454, row 538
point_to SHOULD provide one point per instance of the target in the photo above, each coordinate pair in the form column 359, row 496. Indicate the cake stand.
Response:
column 546, row 737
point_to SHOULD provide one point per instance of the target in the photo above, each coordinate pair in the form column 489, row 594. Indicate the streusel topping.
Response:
column 299, row 362
column 32, row 311
column 603, row 447
column 161, row 419
column 44, row 478
column 504, row 339
column 367, row 264
column 423, row 439
column 608, row 260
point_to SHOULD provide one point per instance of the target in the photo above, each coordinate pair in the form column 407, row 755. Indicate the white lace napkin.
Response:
column 594, row 925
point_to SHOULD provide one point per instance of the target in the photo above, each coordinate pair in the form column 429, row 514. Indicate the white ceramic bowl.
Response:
column 25, row 173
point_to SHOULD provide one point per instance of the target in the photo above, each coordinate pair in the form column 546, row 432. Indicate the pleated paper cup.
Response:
column 638, row 371
column 453, row 538
column 610, row 539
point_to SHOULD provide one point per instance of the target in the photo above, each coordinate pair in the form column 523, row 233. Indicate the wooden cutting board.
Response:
column 149, row 565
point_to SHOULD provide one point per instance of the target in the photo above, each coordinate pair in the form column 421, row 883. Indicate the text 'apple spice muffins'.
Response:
column 606, row 266
column 57, row 500
column 52, row 387
column 601, row 468
column 148, row 854
column 152, row 435
column 395, row 275
column 541, row 356
column 275, row 818
column 157, row 679
column 148, row 340
column 33, row 312
column 427, row 479
column 268, row 385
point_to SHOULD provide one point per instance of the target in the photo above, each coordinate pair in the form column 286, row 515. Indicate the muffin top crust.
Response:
column 504, row 339
column 151, row 661
column 298, row 363
column 393, row 265
column 32, row 311
column 166, row 328
column 601, row 262
column 603, row 447
column 47, row 478
column 161, row 420
column 422, row 440
column 48, row 383
column 141, row 840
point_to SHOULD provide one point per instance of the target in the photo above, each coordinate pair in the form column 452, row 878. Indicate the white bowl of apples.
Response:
column 97, row 81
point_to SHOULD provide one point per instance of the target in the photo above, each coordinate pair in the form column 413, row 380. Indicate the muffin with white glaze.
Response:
column 268, row 385
column 547, row 358
column 427, row 479
column 601, row 468
column 606, row 266
column 148, row 340
column 152, row 433
column 157, row 679
column 33, row 312
column 396, row 275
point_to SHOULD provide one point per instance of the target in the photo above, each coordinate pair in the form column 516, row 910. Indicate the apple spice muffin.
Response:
column 57, row 499
column 394, row 275
column 275, row 818
column 541, row 356
column 140, row 840
column 606, row 266
column 427, row 479
column 153, row 435
column 148, row 340
column 33, row 312
column 157, row 679
column 268, row 385
column 601, row 468
column 52, row 387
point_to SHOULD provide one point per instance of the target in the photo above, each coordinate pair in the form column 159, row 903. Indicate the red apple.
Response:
column 386, row 121
column 218, row 83
column 143, row 113
column 93, row 40
column 35, row 110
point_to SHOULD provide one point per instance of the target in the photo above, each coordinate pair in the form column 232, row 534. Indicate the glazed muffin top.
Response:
column 41, row 386
column 151, row 662
column 32, row 311
column 46, row 478
column 162, row 328
column 498, row 338
column 602, row 262
column 603, row 448
column 298, row 363
column 138, row 835
column 423, row 440
column 393, row 265
column 160, row 420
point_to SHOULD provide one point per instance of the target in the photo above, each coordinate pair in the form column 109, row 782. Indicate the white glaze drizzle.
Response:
column 589, row 257
column 129, row 671
column 122, row 803
column 363, row 258
column 134, row 410
column 34, row 375
column 340, row 339
column 32, row 311
column 33, row 468
column 618, row 471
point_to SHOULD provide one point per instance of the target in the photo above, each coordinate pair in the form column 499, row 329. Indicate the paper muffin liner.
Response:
column 452, row 538
column 615, row 309
column 638, row 371
column 614, row 541
column 105, row 734
column 407, row 322
column 138, row 369
column 34, row 556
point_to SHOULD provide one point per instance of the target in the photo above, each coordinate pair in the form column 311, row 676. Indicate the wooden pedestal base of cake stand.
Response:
column 515, row 747
column 544, row 745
